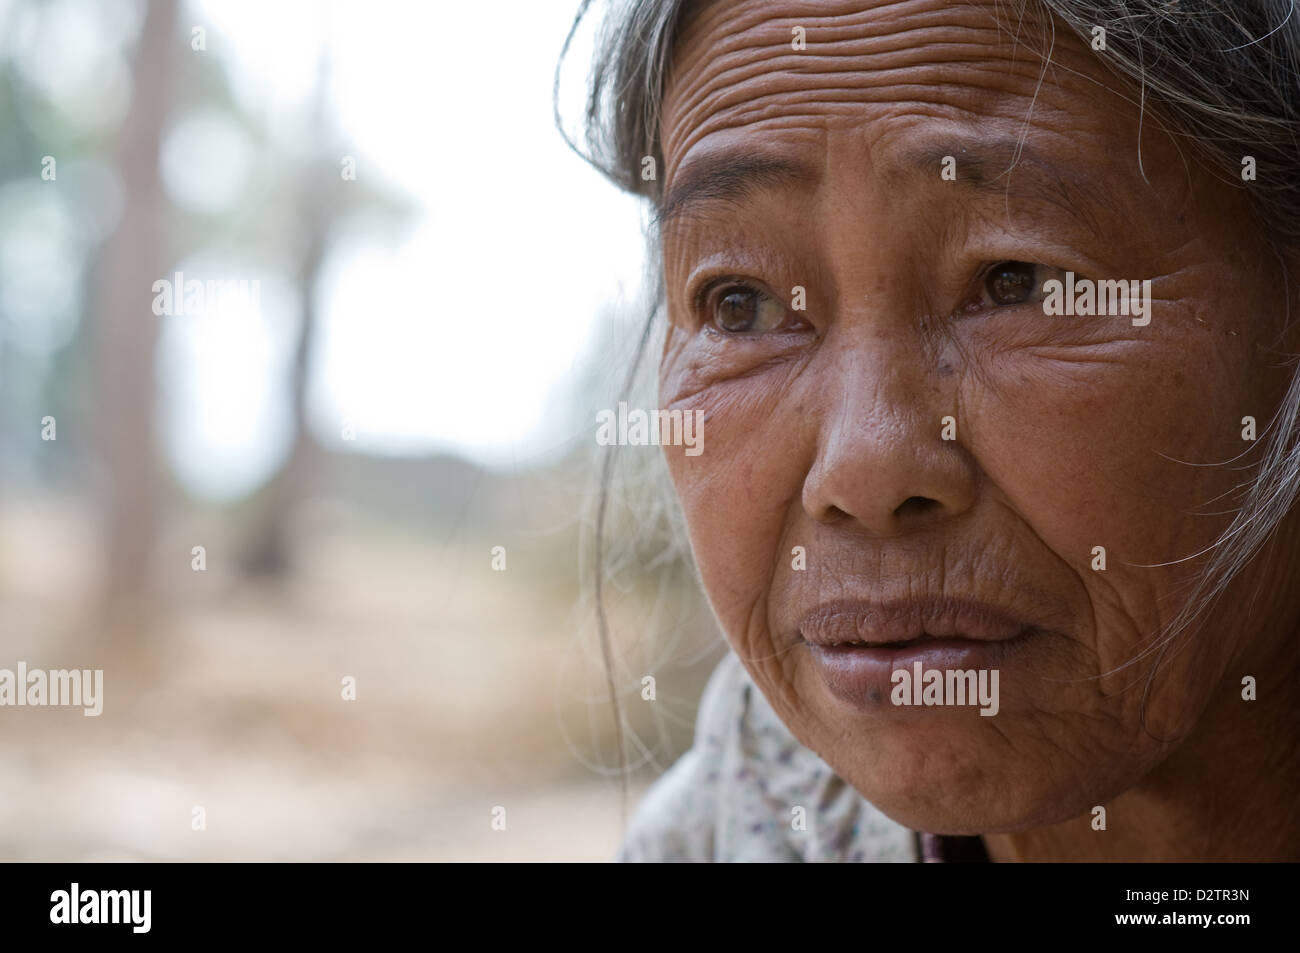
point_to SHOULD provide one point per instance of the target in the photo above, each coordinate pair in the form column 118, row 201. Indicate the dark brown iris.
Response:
column 1010, row 282
column 738, row 310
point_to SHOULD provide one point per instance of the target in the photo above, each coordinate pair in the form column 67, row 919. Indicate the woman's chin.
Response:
column 945, row 777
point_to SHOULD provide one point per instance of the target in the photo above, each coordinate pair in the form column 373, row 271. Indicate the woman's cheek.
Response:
column 1091, row 448
column 736, row 494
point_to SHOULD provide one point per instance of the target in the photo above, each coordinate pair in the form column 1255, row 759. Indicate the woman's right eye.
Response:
column 1016, row 282
column 742, row 310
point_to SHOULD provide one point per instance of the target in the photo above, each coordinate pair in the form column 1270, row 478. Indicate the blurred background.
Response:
column 412, row 300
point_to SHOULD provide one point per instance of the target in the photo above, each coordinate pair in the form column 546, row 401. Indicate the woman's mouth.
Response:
column 887, row 656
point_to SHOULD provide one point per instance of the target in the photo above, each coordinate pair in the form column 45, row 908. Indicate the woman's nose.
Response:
column 890, row 454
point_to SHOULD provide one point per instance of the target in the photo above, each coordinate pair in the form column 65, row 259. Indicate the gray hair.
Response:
column 1221, row 76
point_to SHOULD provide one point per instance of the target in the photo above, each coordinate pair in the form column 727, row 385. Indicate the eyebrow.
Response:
column 729, row 176
column 983, row 166
column 988, row 165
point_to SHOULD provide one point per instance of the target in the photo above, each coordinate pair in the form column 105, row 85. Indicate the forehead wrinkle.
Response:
column 740, row 68
column 813, row 97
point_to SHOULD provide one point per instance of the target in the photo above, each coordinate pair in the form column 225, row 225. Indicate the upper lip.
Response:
column 907, row 620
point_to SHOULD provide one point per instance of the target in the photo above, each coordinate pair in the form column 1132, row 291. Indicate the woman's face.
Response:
column 922, row 317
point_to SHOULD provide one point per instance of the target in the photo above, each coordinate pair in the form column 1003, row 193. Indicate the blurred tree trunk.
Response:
column 269, row 551
column 126, row 330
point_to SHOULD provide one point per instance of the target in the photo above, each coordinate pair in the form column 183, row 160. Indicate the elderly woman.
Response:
column 988, row 309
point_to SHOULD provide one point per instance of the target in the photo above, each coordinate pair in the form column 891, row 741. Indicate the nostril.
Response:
column 915, row 506
column 836, row 515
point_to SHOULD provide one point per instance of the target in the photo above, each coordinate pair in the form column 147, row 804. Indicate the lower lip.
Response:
column 863, row 677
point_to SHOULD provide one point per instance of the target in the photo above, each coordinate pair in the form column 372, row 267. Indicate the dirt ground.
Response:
column 469, row 697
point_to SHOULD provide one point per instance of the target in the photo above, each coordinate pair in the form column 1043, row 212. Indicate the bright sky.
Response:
column 457, row 335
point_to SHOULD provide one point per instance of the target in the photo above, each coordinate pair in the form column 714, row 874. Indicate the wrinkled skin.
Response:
column 823, row 428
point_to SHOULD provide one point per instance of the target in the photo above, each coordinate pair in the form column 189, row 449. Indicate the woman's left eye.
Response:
column 1015, row 282
column 743, row 310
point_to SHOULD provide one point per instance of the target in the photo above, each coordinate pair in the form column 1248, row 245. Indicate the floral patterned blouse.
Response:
column 748, row 791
